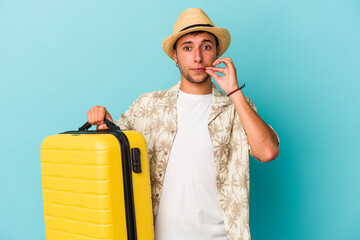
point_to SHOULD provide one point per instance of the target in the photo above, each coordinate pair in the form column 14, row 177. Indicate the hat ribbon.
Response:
column 196, row 25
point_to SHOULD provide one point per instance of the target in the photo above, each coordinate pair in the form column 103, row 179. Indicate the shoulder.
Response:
column 152, row 96
column 159, row 95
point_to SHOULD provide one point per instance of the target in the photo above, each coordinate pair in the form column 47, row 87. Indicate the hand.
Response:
column 228, row 82
column 96, row 116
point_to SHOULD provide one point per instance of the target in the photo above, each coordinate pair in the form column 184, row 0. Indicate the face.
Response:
column 193, row 53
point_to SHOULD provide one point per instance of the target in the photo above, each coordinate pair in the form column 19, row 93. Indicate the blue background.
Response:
column 300, row 60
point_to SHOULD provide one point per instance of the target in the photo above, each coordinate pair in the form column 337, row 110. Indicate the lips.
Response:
column 198, row 69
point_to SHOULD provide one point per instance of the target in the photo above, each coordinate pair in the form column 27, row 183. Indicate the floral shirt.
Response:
column 154, row 115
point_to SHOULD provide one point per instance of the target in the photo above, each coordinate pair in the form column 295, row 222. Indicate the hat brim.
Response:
column 222, row 35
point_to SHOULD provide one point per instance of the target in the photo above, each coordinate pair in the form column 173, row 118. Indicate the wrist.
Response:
column 235, row 90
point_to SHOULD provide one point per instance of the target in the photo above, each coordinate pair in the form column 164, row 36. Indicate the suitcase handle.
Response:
column 109, row 124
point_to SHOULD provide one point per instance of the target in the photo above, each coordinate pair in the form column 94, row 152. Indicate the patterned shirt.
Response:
column 154, row 115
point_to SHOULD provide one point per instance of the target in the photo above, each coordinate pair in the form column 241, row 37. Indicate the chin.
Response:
column 198, row 80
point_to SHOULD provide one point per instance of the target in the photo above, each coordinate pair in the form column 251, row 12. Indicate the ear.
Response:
column 175, row 56
column 217, row 50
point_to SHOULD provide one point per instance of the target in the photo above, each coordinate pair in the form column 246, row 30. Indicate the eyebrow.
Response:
column 203, row 41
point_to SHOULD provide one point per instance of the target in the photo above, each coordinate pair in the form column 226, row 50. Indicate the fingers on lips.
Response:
column 216, row 69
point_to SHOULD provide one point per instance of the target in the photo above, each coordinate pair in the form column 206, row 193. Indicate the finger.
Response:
column 99, row 115
column 102, row 127
column 222, row 59
column 91, row 116
column 94, row 116
column 227, row 58
column 216, row 69
column 227, row 62
column 213, row 75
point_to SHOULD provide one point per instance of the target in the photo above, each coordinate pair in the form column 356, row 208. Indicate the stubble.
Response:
column 188, row 77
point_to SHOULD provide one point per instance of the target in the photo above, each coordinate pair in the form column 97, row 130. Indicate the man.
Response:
column 200, row 137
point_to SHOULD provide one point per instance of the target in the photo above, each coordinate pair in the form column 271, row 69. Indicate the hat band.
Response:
column 196, row 25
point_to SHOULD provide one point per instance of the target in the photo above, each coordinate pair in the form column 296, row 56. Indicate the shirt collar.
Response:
column 219, row 99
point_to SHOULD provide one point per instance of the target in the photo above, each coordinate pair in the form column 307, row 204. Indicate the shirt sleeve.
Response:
column 128, row 119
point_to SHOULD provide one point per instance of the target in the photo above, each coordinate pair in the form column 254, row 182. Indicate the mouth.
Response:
column 198, row 69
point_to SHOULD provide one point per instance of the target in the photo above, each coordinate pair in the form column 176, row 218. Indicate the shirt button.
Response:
column 166, row 153
column 160, row 175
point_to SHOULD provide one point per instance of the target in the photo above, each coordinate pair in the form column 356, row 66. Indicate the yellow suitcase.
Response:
column 96, row 185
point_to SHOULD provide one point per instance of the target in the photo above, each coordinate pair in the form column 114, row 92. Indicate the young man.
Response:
column 200, row 137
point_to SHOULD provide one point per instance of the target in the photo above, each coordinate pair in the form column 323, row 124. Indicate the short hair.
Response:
column 196, row 33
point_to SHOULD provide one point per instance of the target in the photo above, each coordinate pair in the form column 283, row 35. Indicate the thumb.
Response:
column 101, row 127
column 213, row 75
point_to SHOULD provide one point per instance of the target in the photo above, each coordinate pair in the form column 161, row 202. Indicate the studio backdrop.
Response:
column 300, row 61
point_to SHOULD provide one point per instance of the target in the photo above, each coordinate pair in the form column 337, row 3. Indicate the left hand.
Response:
column 228, row 82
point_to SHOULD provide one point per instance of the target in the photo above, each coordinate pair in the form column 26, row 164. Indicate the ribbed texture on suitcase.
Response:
column 83, row 188
column 80, row 191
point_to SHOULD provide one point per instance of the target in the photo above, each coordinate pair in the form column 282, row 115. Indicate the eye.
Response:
column 207, row 47
column 187, row 48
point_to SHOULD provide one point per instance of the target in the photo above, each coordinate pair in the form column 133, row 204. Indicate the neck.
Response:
column 196, row 88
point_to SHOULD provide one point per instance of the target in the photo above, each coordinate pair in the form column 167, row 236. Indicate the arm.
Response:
column 262, row 139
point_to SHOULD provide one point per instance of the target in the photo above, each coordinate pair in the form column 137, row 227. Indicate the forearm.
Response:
column 262, row 139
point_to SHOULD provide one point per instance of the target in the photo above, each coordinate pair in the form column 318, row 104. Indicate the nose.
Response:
column 197, row 55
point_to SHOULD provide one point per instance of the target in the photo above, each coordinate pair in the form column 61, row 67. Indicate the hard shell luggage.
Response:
column 96, row 185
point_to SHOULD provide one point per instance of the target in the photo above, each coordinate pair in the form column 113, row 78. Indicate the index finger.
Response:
column 226, row 61
column 216, row 69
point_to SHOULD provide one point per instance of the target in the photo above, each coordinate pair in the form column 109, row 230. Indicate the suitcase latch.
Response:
column 136, row 160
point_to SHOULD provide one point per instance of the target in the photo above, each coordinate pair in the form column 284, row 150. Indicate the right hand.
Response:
column 96, row 116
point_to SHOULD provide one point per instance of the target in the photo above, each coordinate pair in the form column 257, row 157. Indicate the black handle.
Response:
column 109, row 124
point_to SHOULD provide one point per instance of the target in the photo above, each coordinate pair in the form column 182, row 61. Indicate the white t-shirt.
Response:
column 189, row 206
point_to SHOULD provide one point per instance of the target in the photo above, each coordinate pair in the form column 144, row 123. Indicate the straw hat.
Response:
column 192, row 20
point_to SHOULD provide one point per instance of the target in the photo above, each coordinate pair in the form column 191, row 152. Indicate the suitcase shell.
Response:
column 90, row 189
